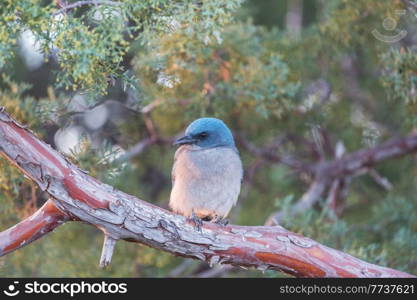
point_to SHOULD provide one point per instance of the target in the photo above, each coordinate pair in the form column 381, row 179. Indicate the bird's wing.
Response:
column 173, row 174
column 238, row 154
column 177, row 153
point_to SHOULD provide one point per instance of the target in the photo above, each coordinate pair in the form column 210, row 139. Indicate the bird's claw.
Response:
column 220, row 221
column 197, row 221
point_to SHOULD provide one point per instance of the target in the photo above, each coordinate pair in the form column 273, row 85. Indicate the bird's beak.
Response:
column 187, row 139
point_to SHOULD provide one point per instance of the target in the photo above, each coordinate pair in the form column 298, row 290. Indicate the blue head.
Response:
column 207, row 133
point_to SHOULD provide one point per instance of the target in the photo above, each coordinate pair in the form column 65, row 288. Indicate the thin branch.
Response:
column 82, row 3
column 144, row 144
column 350, row 165
column 338, row 189
column 151, row 106
column 108, row 249
column 126, row 217
column 332, row 197
column 379, row 179
column 355, row 162
column 43, row 221
column 137, row 149
column 150, row 126
column 337, row 193
column 269, row 154
column 310, row 197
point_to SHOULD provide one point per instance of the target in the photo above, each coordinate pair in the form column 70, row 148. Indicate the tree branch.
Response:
column 108, row 249
column 137, row 149
column 349, row 165
column 143, row 144
column 46, row 219
column 310, row 197
column 122, row 216
column 82, row 3
column 269, row 153
column 353, row 163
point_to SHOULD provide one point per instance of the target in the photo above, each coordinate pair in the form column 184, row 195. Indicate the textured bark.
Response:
column 46, row 219
column 355, row 162
column 122, row 216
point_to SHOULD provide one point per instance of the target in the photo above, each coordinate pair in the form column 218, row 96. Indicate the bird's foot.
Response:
column 221, row 221
column 197, row 221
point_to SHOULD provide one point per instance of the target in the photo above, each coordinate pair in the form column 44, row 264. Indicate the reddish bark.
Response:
column 121, row 216
column 46, row 219
column 44, row 160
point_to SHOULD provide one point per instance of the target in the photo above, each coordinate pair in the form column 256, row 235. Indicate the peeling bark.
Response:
column 77, row 196
column 46, row 219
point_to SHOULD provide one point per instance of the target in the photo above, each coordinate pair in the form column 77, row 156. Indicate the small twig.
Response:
column 137, row 149
column 81, row 3
column 142, row 145
column 310, row 197
column 318, row 141
column 148, row 108
column 382, row 181
column 108, row 249
column 150, row 126
column 268, row 154
column 337, row 189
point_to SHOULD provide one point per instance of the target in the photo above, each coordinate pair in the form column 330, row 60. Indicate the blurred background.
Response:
column 299, row 82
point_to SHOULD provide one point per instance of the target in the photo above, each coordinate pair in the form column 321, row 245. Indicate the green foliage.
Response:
column 400, row 77
column 231, row 59
column 90, row 45
column 237, row 72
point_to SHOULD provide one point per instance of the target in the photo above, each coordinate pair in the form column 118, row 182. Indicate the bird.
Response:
column 207, row 172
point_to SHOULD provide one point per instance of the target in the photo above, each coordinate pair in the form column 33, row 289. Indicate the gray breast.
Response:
column 206, row 181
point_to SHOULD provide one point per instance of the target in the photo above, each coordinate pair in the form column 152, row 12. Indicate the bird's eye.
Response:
column 203, row 135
